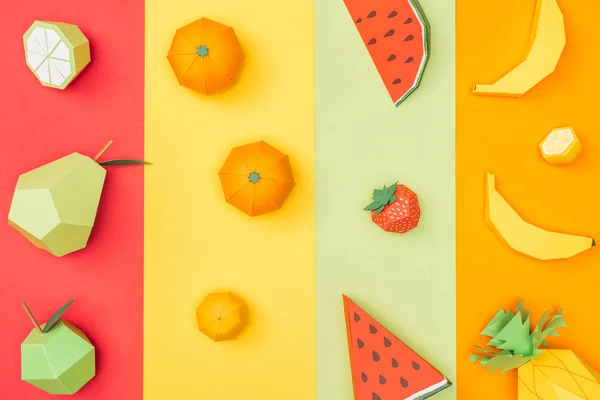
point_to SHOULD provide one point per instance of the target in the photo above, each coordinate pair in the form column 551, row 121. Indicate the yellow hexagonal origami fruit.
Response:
column 222, row 316
column 56, row 52
column 561, row 146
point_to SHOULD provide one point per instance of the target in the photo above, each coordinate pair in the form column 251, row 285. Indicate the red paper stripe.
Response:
column 38, row 125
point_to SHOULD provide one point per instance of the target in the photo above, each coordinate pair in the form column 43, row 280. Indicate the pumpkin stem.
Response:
column 32, row 318
column 103, row 150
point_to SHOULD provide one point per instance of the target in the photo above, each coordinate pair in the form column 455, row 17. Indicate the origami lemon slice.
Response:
column 561, row 146
column 56, row 52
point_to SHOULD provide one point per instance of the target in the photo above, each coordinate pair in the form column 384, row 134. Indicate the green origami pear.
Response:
column 55, row 205
column 57, row 357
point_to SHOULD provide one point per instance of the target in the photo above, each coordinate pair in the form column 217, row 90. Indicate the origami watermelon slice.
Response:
column 396, row 33
column 384, row 368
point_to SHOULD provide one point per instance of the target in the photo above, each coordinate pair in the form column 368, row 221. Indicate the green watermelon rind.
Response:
column 434, row 392
column 420, row 13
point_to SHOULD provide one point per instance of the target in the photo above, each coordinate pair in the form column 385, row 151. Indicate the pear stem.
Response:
column 32, row 318
column 103, row 150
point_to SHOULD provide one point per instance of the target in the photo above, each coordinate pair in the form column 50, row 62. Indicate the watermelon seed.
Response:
column 372, row 14
column 372, row 41
column 375, row 397
column 389, row 33
column 396, row 81
column 416, row 366
column 356, row 317
column 408, row 21
column 372, row 329
column 382, row 379
column 394, row 363
column 360, row 343
column 392, row 57
column 386, row 342
column 392, row 14
column 363, row 377
column 409, row 38
column 376, row 357
column 358, row 21
column 403, row 382
column 409, row 60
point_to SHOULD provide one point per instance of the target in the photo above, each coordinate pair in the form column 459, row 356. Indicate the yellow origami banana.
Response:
column 525, row 237
column 548, row 39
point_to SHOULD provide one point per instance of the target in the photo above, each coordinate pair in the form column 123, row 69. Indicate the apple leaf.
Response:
column 56, row 316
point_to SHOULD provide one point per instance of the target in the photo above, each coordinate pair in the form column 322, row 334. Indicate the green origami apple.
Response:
column 57, row 357
column 55, row 205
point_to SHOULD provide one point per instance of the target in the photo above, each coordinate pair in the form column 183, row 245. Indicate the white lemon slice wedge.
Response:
column 561, row 146
column 56, row 52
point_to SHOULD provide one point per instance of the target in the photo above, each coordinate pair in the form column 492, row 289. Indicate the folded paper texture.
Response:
column 525, row 237
column 561, row 146
column 256, row 178
column 548, row 39
column 382, row 366
column 395, row 208
column 56, row 52
column 54, row 206
column 396, row 34
column 543, row 374
column 206, row 56
column 222, row 316
column 57, row 357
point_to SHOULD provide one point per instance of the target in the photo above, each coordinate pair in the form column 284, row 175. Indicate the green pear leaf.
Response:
column 56, row 316
column 123, row 162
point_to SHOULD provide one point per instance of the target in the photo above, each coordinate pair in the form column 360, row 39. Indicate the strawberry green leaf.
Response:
column 392, row 199
column 379, row 210
column 56, row 316
column 393, row 188
column 374, row 205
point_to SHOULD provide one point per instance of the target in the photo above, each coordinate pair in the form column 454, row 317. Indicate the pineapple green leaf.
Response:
column 516, row 336
column 511, row 333
column 506, row 362
column 484, row 350
column 56, row 316
column 500, row 320
column 473, row 358
column 521, row 309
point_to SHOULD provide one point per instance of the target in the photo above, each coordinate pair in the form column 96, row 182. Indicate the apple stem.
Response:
column 103, row 150
column 32, row 318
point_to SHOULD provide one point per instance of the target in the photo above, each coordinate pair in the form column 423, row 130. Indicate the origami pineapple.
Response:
column 544, row 374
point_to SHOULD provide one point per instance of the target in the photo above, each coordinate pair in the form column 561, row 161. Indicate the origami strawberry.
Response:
column 395, row 208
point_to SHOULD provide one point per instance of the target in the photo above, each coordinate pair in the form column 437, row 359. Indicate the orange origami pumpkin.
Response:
column 256, row 178
column 206, row 56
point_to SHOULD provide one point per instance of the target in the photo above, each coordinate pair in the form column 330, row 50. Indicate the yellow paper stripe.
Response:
column 196, row 243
